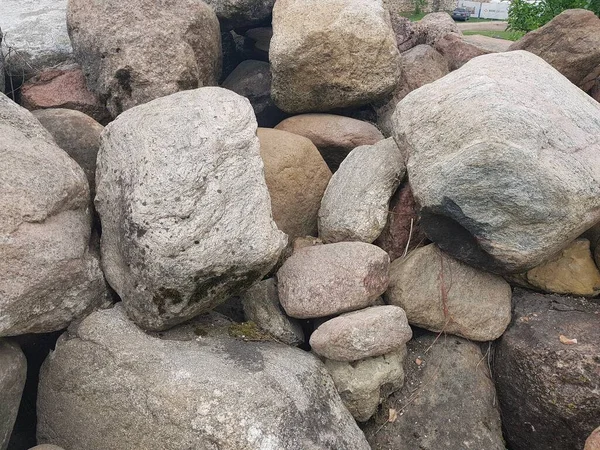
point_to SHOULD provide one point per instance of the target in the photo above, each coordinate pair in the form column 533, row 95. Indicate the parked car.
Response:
column 461, row 14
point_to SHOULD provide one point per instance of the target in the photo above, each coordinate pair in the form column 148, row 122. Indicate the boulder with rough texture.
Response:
column 593, row 441
column 402, row 232
column 362, row 334
column 420, row 65
column 188, row 388
column 78, row 135
column 46, row 447
column 186, row 215
column 252, row 79
column 439, row 293
column 448, row 401
column 404, row 29
column 261, row 306
column 570, row 43
column 355, row 203
column 547, row 383
column 503, row 198
column 572, row 271
column 57, row 88
column 487, row 43
column 434, row 26
column 457, row 51
column 48, row 274
column 335, row 136
column 35, row 35
column 13, row 371
column 242, row 13
column 329, row 279
column 333, row 54
column 364, row 384
column 133, row 51
column 296, row 176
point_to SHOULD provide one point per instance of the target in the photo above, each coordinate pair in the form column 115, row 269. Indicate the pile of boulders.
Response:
column 373, row 234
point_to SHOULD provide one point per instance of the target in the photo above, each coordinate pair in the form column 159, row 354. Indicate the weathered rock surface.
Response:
column 185, row 390
column 498, row 197
column 134, row 51
column 261, row 306
column 572, row 271
column 329, row 279
column 490, row 44
column 333, row 54
column 593, row 442
column 186, row 215
column 252, row 79
column 355, row 203
column 241, row 13
column 402, row 232
column 13, row 370
column 1, row 64
column 439, row 293
column 362, row 334
column 457, row 50
column 46, row 447
column 448, row 400
column 78, row 135
column 35, row 35
column 434, row 26
column 57, row 88
column 296, row 176
column 404, row 29
column 548, row 390
column 570, row 43
column 335, row 136
column 364, row 384
column 48, row 276
column 420, row 65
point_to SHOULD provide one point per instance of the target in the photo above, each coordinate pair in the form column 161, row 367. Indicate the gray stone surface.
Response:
column 435, row 26
column 46, row 447
column 362, row 334
column 503, row 198
column 1, row 64
column 548, row 389
column 333, row 54
column 77, row 134
column 261, row 306
column 133, row 51
column 186, row 215
column 35, row 35
column 48, row 274
column 356, row 202
column 440, row 293
column 241, row 13
column 13, row 371
column 329, row 279
column 457, row 50
column 187, row 389
column 448, row 400
column 364, row 384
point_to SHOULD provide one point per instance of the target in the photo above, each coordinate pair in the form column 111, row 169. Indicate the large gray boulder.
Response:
column 434, row 26
column 186, row 215
column 35, row 35
column 241, row 13
column 48, row 275
column 13, row 371
column 448, row 401
column 110, row 386
column 133, row 51
column 502, row 185
column 547, row 372
column 356, row 202
column 332, row 54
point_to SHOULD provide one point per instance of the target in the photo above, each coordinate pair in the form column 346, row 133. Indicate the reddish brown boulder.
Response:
column 58, row 88
column 593, row 442
column 403, row 216
column 457, row 51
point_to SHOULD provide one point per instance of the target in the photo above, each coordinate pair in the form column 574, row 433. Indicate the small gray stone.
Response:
column 330, row 279
column 355, row 203
column 261, row 306
column 241, row 13
column 364, row 384
column 13, row 370
column 361, row 334
column 186, row 215
column 440, row 293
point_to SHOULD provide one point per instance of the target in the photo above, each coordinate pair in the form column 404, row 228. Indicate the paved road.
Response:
column 482, row 26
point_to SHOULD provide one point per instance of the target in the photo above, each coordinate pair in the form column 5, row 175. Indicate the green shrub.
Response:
column 523, row 16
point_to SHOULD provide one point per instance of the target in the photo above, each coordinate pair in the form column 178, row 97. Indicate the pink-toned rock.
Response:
column 329, row 279
column 593, row 442
column 361, row 334
column 57, row 88
column 402, row 227
column 457, row 51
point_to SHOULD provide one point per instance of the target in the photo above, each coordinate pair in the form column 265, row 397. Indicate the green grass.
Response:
column 416, row 17
column 508, row 35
